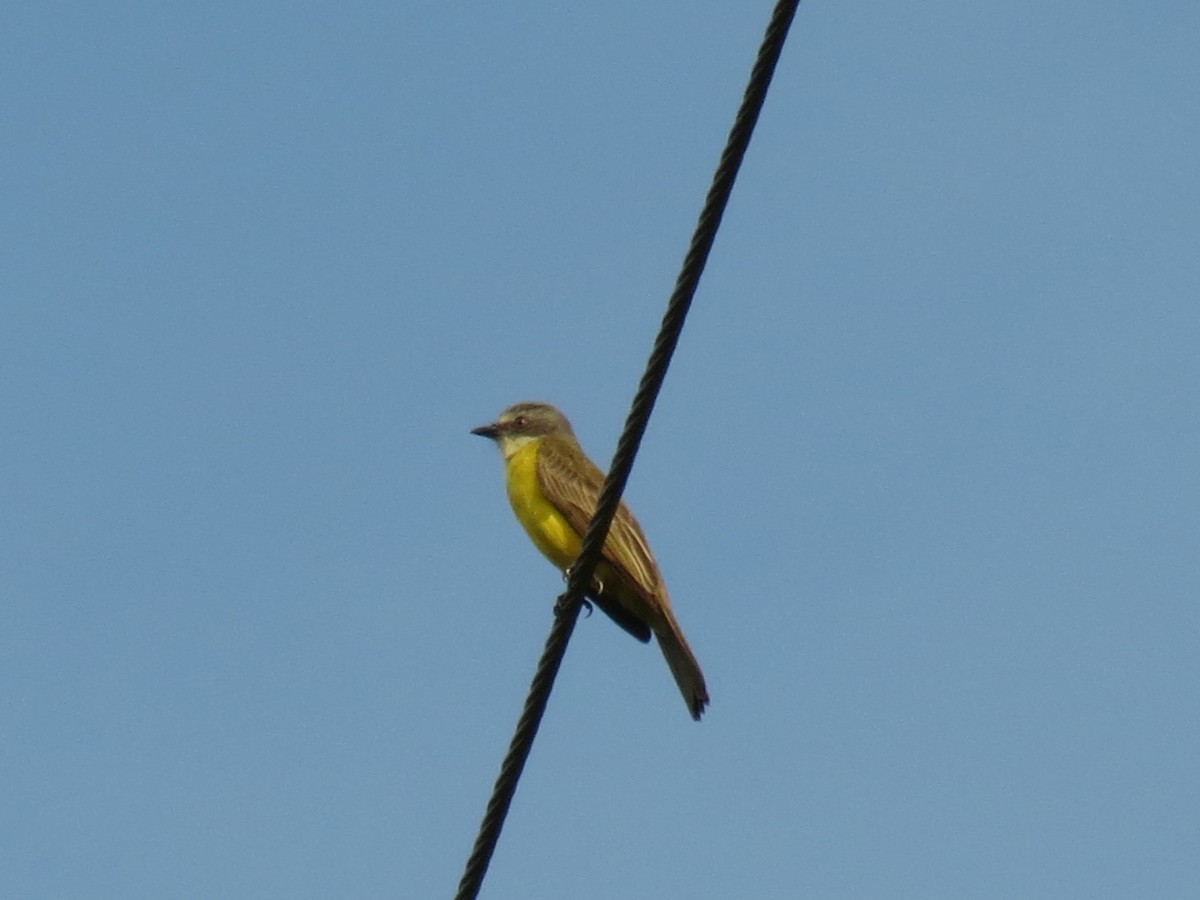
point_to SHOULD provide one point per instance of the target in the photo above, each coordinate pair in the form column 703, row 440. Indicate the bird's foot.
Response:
column 560, row 605
column 599, row 585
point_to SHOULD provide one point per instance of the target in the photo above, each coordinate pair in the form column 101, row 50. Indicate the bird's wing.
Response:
column 573, row 484
column 574, row 490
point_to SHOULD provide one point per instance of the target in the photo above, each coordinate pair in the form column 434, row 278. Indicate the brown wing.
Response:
column 572, row 483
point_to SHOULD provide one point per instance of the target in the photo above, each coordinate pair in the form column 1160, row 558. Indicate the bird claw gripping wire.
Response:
column 560, row 605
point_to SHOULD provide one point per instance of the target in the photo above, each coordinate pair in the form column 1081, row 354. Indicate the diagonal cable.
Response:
column 567, row 608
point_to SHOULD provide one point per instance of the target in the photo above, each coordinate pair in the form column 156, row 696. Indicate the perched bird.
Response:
column 553, row 488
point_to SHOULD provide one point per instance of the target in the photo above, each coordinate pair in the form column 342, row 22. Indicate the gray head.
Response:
column 524, row 422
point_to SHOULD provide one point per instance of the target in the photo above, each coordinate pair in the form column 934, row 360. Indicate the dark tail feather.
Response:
column 683, row 665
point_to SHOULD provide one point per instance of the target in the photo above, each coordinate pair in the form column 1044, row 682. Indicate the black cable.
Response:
column 567, row 608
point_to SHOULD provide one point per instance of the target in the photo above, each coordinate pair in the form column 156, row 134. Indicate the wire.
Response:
column 568, row 605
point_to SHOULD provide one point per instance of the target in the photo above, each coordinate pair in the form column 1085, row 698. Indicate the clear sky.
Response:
column 924, row 479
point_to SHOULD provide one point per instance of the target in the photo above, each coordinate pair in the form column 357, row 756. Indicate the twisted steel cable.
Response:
column 568, row 605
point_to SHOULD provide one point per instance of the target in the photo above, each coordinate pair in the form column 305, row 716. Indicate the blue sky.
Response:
column 923, row 480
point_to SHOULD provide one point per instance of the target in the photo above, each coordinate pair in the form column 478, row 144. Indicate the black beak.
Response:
column 487, row 431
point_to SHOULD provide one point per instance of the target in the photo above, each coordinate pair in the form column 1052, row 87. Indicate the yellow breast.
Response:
column 545, row 525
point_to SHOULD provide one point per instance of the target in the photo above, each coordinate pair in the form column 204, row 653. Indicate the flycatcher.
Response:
column 553, row 488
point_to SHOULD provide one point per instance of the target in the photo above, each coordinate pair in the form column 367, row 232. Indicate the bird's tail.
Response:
column 682, row 663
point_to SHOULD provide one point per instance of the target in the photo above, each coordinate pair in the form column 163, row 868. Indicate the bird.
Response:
column 553, row 488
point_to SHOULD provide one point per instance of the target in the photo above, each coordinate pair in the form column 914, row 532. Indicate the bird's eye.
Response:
column 520, row 421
